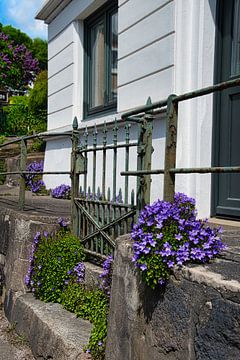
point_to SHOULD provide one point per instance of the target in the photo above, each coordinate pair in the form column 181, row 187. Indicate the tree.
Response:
column 18, row 68
column 16, row 35
column 37, row 46
column 39, row 50
column 38, row 95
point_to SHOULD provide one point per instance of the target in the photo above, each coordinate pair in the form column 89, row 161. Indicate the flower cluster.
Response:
column 106, row 276
column 33, row 181
column 77, row 273
column 169, row 234
column 63, row 223
column 18, row 68
column 61, row 192
column 28, row 278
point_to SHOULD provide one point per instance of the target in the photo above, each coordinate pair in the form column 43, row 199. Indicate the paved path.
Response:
column 35, row 205
column 12, row 347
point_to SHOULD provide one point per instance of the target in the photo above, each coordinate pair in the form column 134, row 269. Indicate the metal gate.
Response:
column 101, row 212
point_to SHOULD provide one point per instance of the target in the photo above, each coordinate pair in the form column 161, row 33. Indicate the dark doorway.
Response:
column 227, row 114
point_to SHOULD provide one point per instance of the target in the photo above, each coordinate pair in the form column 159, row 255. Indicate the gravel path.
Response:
column 12, row 346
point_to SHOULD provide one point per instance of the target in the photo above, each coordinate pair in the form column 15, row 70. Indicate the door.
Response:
column 227, row 119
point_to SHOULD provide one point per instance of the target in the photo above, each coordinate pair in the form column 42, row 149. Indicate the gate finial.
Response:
column 75, row 123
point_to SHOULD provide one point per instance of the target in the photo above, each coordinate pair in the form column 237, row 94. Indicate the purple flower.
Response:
column 106, row 277
column 182, row 238
column 178, row 237
column 63, row 223
column 143, row 267
column 61, row 192
column 32, row 180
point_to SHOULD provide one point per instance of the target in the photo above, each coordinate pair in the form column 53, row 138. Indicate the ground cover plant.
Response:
column 168, row 235
column 56, row 273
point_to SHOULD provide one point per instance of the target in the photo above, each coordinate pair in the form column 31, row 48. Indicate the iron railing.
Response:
column 170, row 169
column 143, row 116
column 23, row 141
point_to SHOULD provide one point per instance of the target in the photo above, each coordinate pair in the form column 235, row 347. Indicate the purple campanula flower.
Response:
column 61, row 192
column 182, row 238
column 143, row 267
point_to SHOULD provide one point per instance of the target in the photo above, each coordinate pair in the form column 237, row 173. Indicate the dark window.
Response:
column 101, row 40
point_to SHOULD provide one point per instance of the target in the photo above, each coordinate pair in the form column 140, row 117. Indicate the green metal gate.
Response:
column 101, row 213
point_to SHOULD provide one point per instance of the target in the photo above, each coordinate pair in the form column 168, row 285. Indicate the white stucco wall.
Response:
column 164, row 47
column 194, row 69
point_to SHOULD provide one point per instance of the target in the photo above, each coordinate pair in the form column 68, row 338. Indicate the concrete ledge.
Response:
column 52, row 332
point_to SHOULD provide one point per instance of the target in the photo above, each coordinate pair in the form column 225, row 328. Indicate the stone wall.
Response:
column 16, row 235
column 197, row 315
column 17, row 230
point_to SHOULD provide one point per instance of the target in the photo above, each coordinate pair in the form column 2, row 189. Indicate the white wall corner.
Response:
column 194, row 69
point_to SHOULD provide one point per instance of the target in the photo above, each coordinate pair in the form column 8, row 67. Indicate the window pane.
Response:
column 113, row 57
column 235, row 63
column 97, row 65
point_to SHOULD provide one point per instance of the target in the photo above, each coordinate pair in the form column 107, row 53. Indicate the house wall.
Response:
column 194, row 69
column 164, row 47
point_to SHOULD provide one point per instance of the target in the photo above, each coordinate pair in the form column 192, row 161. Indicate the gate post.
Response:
column 74, row 177
column 144, row 161
column 170, row 149
column 23, row 165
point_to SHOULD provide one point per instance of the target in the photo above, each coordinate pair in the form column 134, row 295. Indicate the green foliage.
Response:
column 38, row 95
column 40, row 51
column 2, row 139
column 18, row 68
column 16, row 35
column 55, row 274
column 3, row 168
column 37, row 46
column 20, row 120
column 54, row 257
column 37, row 145
column 91, row 305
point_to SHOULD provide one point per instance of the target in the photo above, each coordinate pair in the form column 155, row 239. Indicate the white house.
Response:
column 107, row 57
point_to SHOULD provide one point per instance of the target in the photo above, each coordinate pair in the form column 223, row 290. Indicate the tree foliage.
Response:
column 37, row 46
column 38, row 95
column 18, row 68
column 20, row 120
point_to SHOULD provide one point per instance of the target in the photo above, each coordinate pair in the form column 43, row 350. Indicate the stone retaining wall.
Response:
column 16, row 236
column 197, row 315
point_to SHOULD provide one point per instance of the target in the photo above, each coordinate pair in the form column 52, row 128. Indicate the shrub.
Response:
column 167, row 235
column 53, row 263
column 91, row 305
column 56, row 273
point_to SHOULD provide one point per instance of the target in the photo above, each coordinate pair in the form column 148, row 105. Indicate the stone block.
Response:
column 196, row 316
column 52, row 332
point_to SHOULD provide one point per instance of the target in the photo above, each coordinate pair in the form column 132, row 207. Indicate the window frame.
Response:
column 104, row 14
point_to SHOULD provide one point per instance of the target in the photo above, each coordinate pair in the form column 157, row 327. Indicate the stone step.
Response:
column 52, row 332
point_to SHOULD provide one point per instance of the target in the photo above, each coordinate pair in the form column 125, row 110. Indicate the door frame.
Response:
column 216, row 103
column 217, row 109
